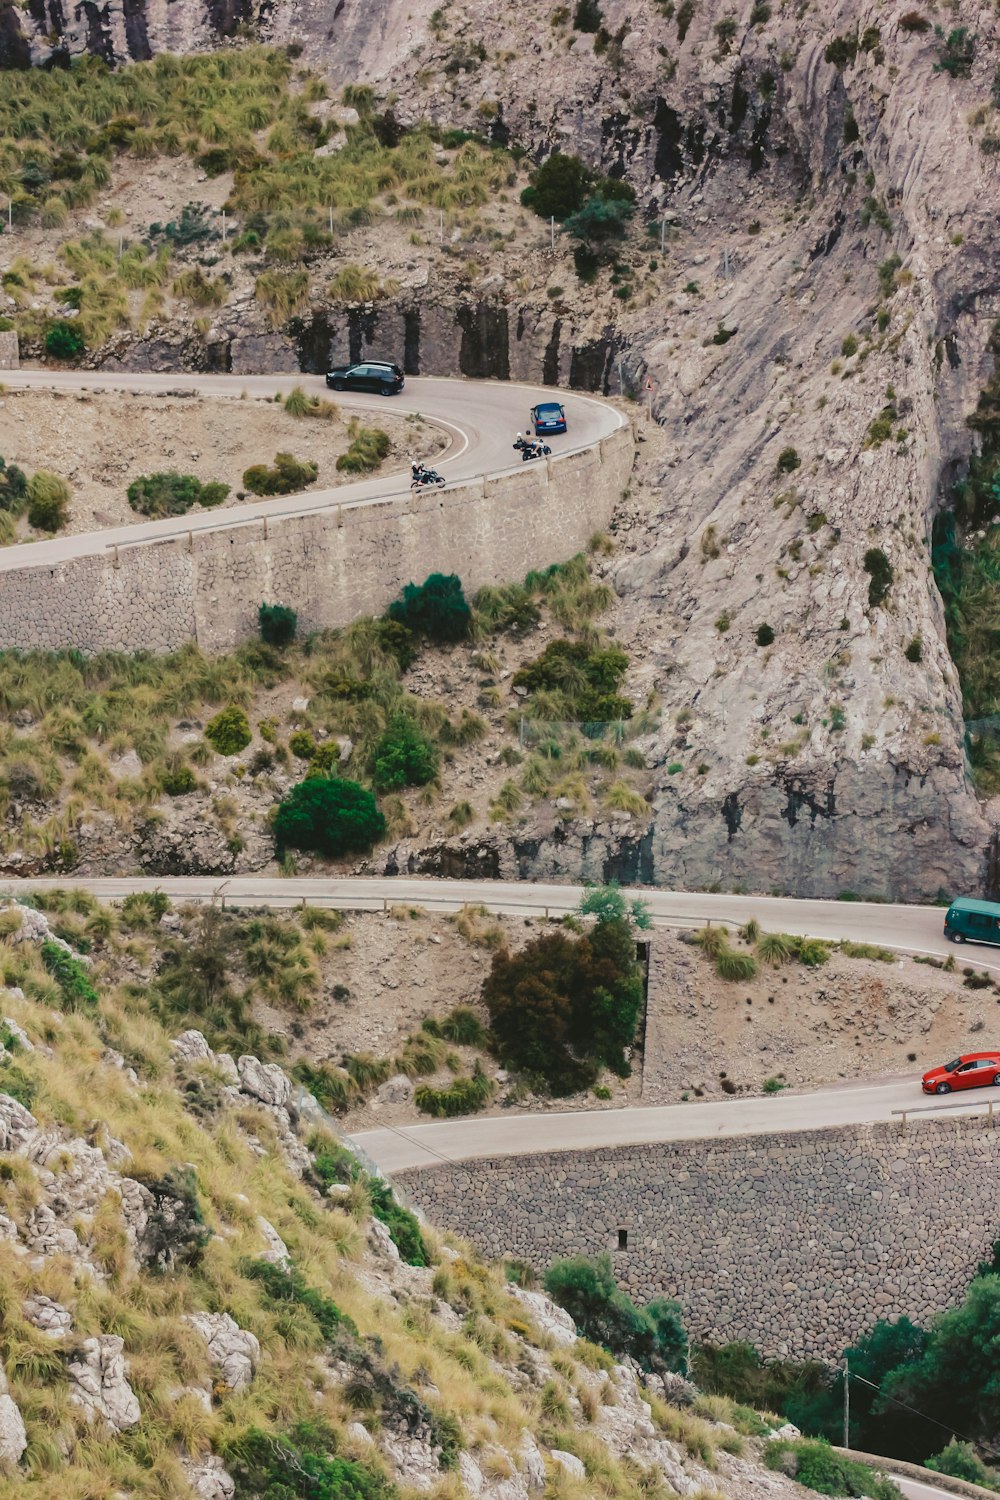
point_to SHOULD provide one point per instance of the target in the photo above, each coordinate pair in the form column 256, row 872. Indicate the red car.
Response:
column 969, row 1072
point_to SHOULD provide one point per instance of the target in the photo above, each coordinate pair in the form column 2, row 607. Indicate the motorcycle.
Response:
column 530, row 448
column 426, row 479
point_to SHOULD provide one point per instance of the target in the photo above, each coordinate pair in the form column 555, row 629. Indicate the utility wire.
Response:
column 945, row 1427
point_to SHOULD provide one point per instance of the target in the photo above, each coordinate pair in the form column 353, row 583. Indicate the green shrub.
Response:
column 142, row 910
column 297, row 1466
column 369, row 447
column 287, row 476
column 842, row 51
column 558, row 187
column 788, row 461
column 961, row 1461
column 172, row 494
column 403, row 757
column 282, row 1285
column 48, row 501
column 587, row 16
column 462, row 1097
column 765, row 635
column 880, row 576
column 586, row 677
column 816, row 1465
column 229, row 731
column 328, row 815
column 64, row 341
column 463, row 1027
column 957, row 53
column 13, row 488
column 585, row 1286
column 436, row 608
column 278, row 624
column 15, row 1081
column 302, row 745
column 403, row 1226
column 730, row 964
column 179, row 782
column 70, row 975
column 915, row 650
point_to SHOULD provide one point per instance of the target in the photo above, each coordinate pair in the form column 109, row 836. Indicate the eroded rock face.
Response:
column 209, row 1479
column 550, row 1317
column 264, row 1081
column 13, row 1438
column 99, row 1383
column 234, row 1351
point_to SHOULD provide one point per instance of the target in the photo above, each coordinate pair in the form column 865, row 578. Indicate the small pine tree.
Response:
column 278, row 624
column 328, row 815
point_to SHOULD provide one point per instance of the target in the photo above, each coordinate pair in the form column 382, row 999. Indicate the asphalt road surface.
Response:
column 910, row 929
column 480, row 417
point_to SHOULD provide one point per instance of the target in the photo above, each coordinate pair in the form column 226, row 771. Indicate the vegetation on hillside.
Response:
column 245, row 111
column 78, row 717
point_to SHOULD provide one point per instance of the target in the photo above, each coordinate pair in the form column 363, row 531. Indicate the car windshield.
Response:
column 549, row 410
column 950, row 1067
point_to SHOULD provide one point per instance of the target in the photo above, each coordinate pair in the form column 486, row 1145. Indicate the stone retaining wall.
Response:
column 331, row 565
column 797, row 1242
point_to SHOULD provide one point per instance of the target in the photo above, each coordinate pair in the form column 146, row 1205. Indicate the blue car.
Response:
column 547, row 417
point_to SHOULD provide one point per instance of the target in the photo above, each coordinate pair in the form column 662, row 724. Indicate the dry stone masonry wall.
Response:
column 331, row 566
column 836, row 1228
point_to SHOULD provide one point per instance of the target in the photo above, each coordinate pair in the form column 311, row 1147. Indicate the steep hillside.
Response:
column 205, row 1296
column 808, row 289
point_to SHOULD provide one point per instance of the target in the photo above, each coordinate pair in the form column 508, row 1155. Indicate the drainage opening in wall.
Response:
column 623, row 1239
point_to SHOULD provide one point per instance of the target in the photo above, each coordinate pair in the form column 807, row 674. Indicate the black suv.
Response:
column 374, row 375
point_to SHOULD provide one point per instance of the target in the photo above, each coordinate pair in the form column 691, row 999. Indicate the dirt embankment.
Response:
column 101, row 442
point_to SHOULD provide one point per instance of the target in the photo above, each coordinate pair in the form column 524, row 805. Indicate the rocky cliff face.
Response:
column 822, row 186
column 169, row 1274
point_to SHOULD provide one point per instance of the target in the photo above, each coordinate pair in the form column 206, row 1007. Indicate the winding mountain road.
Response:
column 908, row 929
column 480, row 418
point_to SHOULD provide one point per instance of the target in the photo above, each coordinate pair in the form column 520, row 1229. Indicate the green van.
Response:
column 973, row 921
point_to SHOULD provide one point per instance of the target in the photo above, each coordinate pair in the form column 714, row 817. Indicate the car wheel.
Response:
column 943, row 1088
column 996, row 1080
column 957, row 937
column 338, row 385
column 387, row 390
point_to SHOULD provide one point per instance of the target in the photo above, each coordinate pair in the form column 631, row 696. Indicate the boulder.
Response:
column 234, row 1351
column 17, row 1125
column 276, row 1251
column 47, row 1315
column 264, row 1081
column 395, row 1090
column 13, row 1438
column 380, row 1240
column 191, row 1046
column 98, row 1379
column 550, row 1317
column 569, row 1463
column 208, row 1478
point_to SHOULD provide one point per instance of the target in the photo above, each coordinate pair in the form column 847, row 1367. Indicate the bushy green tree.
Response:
column 879, row 1426
column 586, row 677
column 436, row 608
column 328, row 815
column 558, row 187
column 563, row 1006
column 586, row 1287
column 403, row 756
column 600, row 221
column 956, row 1376
column 278, row 624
